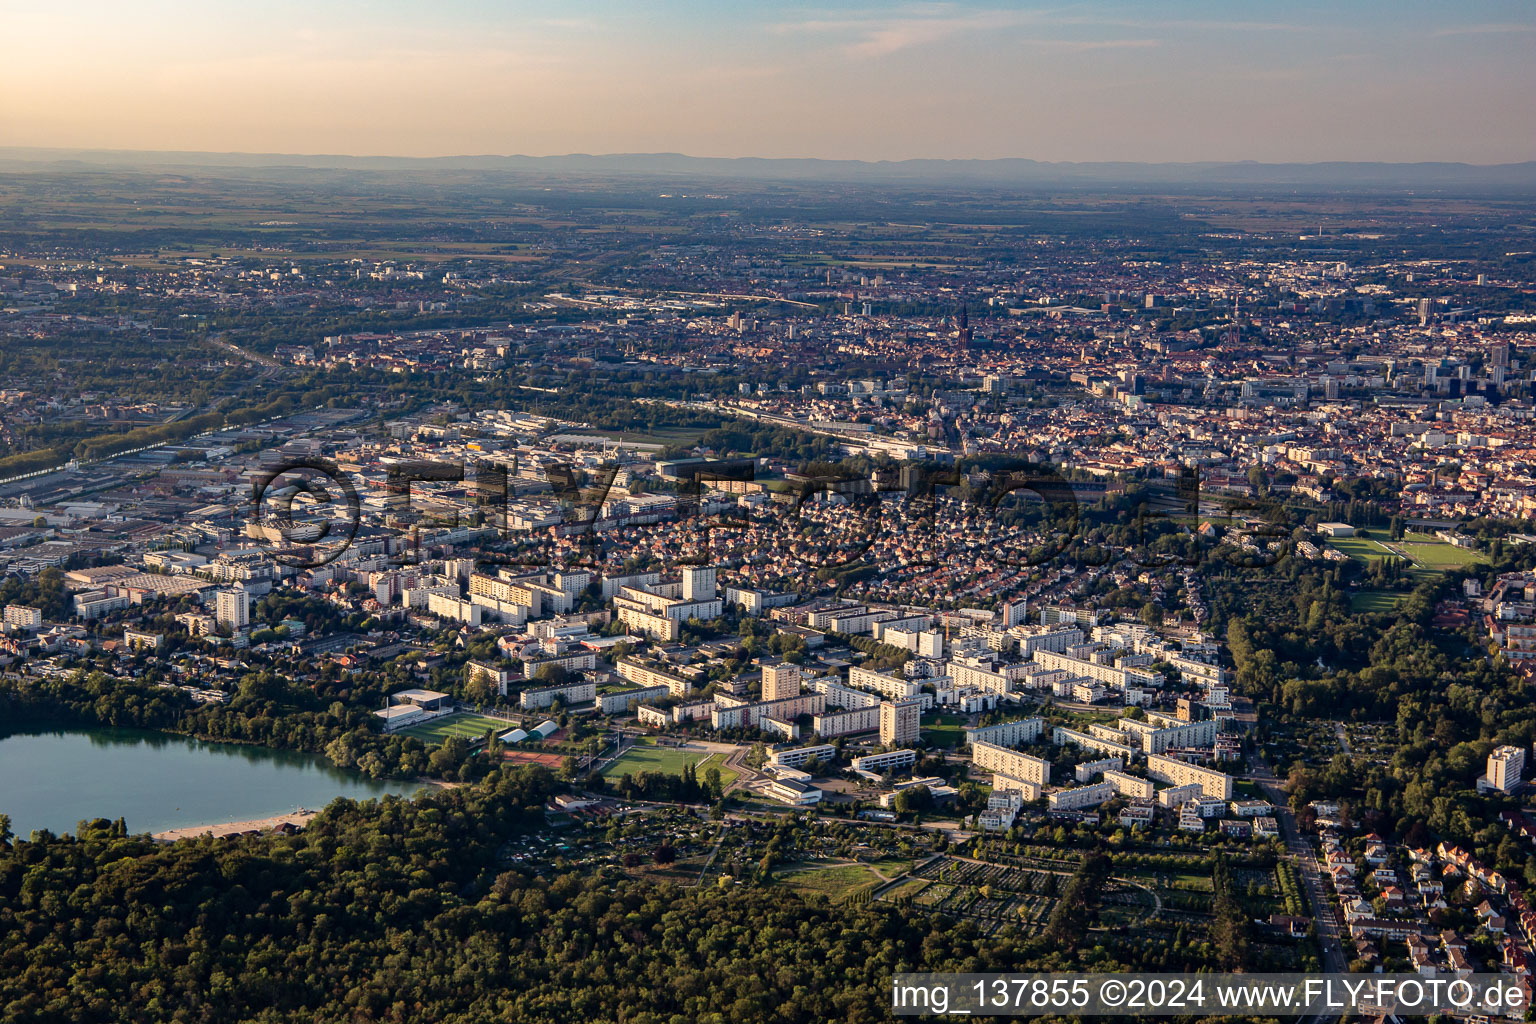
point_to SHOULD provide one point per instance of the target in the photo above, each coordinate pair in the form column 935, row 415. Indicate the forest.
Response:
column 399, row 910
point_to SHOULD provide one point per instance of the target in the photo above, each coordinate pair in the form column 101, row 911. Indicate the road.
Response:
column 1343, row 737
column 1301, row 851
column 217, row 341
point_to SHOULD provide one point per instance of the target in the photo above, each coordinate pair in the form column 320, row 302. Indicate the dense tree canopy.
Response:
column 400, row 911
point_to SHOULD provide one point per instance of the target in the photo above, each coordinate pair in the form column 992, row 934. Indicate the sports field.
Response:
column 1431, row 552
column 647, row 757
column 470, row 727
column 1427, row 553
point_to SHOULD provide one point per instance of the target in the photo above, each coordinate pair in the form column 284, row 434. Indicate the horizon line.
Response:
column 675, row 154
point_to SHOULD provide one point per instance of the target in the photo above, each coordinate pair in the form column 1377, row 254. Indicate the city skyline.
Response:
column 1195, row 82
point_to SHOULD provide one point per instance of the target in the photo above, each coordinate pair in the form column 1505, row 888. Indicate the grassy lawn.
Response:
column 1429, row 554
column 727, row 776
column 892, row 866
column 647, row 757
column 1361, row 549
column 470, row 727
column 947, row 731
column 835, row 882
column 911, row 887
column 1374, row 601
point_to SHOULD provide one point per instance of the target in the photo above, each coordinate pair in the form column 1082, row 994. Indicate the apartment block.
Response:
column 1007, row 734
column 18, row 618
column 1086, row 770
column 900, row 722
column 618, row 701
column 490, row 673
column 994, row 758
column 888, row 686
column 1130, row 785
column 232, row 608
column 980, row 674
column 1159, row 734
column 890, row 761
column 1061, row 734
column 847, row 723
column 1112, row 676
column 1081, row 796
column 1011, row 783
column 842, row 696
column 1506, row 769
column 642, row 674
column 1178, row 773
column 781, row 680
column 731, row 713
column 567, row 694
column 1178, row 796
column 796, row 757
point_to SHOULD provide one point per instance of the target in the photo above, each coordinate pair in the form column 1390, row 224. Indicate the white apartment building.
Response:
column 842, row 696
column 1013, row 784
column 698, row 584
column 1506, row 769
column 1007, row 734
column 900, row 722
column 1085, row 771
column 232, row 608
column 847, row 723
column 491, row 610
column 1159, row 733
column 925, row 643
column 1178, row 796
column 18, row 618
column 781, row 679
column 494, row 674
column 994, row 758
column 1112, row 676
column 1002, row 808
column 796, row 757
column 1177, row 773
column 733, row 713
column 642, row 674
column 453, row 608
column 657, row 609
column 618, row 702
column 1061, row 734
column 1081, row 796
column 1055, row 639
column 890, row 761
column 567, row 694
column 1129, row 785
column 888, row 686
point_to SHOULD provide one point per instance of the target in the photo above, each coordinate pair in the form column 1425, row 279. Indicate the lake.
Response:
column 56, row 778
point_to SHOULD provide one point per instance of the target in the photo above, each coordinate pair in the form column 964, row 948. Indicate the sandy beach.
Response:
column 299, row 818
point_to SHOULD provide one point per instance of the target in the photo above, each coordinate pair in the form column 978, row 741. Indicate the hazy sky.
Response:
column 1171, row 80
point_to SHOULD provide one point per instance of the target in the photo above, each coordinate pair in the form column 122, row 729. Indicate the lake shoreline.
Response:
column 233, row 828
column 169, row 785
column 298, row 819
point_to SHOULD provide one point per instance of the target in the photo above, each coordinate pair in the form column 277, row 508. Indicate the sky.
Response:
column 1175, row 80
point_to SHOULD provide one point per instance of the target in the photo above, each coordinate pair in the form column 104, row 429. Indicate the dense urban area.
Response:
column 768, row 586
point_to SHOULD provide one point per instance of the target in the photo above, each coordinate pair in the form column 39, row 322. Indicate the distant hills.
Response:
column 1005, row 172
